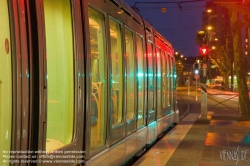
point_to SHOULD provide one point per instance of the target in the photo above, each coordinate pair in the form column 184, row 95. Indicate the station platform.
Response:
column 223, row 139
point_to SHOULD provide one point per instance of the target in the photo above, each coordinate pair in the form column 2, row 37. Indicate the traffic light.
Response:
column 204, row 50
column 196, row 67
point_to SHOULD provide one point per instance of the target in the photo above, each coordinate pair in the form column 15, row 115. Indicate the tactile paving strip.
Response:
column 189, row 151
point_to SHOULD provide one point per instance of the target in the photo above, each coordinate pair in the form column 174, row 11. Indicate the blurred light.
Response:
column 216, row 39
column 201, row 32
column 209, row 27
column 185, row 58
column 209, row 10
column 181, row 56
column 213, row 47
column 246, row 40
column 246, row 53
column 140, row 74
column 196, row 71
column 120, row 12
column 176, row 53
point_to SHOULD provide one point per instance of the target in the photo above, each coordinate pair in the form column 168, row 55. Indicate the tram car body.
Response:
column 82, row 81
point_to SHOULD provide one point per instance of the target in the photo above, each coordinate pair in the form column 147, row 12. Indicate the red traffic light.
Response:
column 204, row 50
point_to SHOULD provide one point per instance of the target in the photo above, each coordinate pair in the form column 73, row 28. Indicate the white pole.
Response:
column 196, row 89
column 188, row 84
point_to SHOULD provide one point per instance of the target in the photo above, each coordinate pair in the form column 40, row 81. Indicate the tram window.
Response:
column 5, row 81
column 168, row 79
column 175, row 74
column 130, row 77
column 158, row 82
column 116, row 72
column 164, row 80
column 140, row 78
column 98, row 90
column 60, row 73
column 171, row 81
column 150, row 78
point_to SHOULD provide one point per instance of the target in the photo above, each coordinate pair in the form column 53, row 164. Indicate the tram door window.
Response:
column 98, row 90
column 158, row 82
column 60, row 73
column 151, row 112
column 164, row 81
column 174, row 84
column 130, row 77
column 168, row 79
column 171, row 82
column 140, row 77
column 5, row 81
column 116, row 72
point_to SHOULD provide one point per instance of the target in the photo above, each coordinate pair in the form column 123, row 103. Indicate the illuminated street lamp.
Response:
column 176, row 53
column 209, row 28
column 209, row 10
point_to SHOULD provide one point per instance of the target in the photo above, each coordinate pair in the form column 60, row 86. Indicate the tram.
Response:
column 82, row 82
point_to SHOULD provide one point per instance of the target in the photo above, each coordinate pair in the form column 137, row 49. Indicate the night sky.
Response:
column 178, row 26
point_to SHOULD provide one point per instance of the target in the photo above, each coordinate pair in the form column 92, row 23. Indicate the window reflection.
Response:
column 140, row 77
column 98, row 87
column 130, row 77
column 116, row 72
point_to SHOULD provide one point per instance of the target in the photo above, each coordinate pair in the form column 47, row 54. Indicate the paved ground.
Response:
column 221, row 140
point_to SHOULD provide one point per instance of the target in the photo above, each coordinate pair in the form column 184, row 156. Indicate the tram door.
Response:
column 61, row 119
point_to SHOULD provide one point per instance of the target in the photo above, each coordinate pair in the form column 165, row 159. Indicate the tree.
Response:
column 221, row 57
column 240, row 69
column 235, row 9
column 179, row 70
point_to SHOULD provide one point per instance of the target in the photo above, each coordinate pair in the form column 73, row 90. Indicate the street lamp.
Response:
column 209, row 10
column 209, row 28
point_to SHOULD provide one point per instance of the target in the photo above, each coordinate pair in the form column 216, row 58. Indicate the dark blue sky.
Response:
column 178, row 27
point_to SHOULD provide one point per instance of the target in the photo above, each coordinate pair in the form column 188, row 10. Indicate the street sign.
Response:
column 196, row 76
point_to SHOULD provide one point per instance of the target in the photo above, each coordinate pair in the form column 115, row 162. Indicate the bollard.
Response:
column 203, row 103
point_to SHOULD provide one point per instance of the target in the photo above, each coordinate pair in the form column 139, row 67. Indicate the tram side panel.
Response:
column 151, row 90
column 164, row 114
column 118, row 115
column 110, row 59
